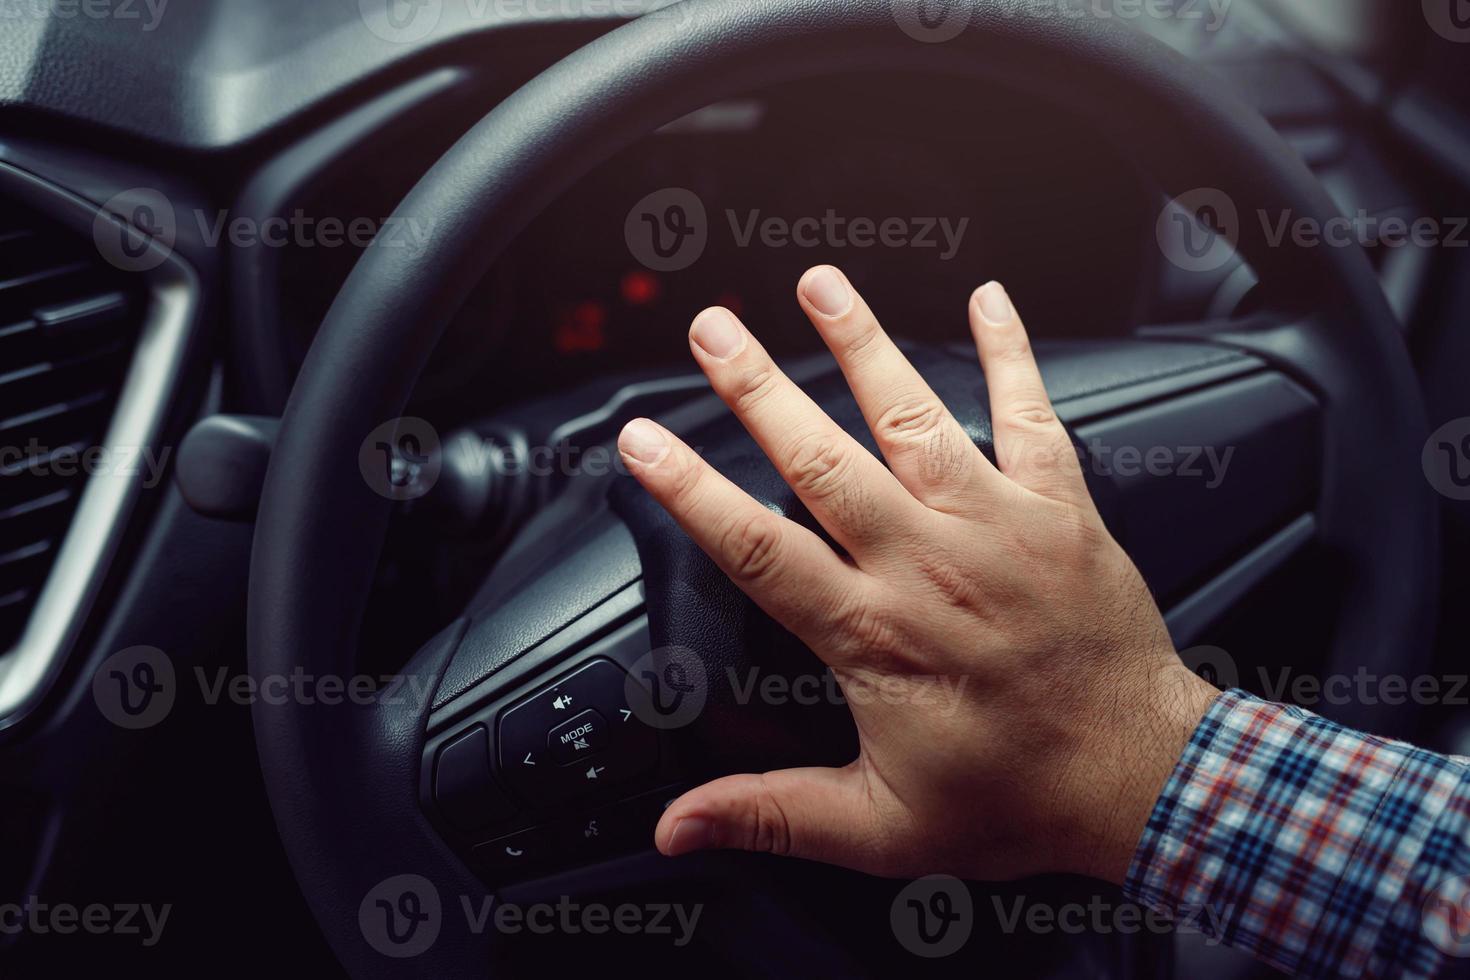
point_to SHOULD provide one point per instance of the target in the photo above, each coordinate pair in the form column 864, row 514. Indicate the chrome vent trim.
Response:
column 32, row 665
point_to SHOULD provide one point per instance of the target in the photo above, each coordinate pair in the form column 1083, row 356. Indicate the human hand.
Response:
column 1071, row 703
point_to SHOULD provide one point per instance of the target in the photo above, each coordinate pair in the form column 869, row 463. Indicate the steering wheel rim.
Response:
column 343, row 780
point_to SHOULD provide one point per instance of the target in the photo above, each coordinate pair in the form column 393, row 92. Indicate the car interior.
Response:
column 319, row 571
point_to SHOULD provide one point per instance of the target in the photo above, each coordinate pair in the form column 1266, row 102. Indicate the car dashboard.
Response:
column 263, row 145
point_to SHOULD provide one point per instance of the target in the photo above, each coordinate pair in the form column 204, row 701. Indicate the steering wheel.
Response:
column 394, row 807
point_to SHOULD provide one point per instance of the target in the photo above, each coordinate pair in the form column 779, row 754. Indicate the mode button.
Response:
column 577, row 737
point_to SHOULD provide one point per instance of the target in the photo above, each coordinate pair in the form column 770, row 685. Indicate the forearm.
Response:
column 1320, row 850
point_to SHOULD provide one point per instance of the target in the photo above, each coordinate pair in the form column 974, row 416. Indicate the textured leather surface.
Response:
column 343, row 786
column 210, row 74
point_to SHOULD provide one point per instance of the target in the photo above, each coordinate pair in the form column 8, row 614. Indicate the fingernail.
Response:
column 995, row 305
column 691, row 834
column 643, row 441
column 826, row 291
column 717, row 333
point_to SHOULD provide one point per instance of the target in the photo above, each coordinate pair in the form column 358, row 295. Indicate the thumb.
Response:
column 820, row 814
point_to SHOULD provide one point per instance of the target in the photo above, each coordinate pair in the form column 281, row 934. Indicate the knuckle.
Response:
column 751, row 385
column 768, row 830
column 912, row 420
column 817, row 465
column 1082, row 531
column 751, row 546
column 923, row 428
column 1016, row 350
column 863, row 339
column 948, row 455
column 870, row 629
column 956, row 584
column 1032, row 411
column 684, row 476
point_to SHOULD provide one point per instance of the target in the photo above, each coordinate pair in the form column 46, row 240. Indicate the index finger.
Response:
column 789, row 571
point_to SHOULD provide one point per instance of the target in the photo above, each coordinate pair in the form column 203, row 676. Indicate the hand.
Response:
column 998, row 587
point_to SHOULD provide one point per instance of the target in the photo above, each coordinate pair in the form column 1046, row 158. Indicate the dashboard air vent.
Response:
column 68, row 324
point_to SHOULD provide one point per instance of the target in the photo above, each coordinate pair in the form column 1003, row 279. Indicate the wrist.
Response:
column 1121, row 776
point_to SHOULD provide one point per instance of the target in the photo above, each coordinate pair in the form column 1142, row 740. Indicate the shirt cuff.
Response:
column 1312, row 846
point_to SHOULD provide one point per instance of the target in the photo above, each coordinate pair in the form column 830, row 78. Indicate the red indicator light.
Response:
column 641, row 288
column 731, row 302
column 581, row 329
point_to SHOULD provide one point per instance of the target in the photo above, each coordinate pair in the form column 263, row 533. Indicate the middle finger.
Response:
column 847, row 490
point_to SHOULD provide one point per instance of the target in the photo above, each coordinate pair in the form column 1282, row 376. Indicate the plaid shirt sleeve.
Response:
column 1320, row 850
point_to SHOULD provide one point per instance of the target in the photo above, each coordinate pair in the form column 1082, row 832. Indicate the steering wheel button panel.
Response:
column 464, row 788
column 558, row 744
column 578, row 738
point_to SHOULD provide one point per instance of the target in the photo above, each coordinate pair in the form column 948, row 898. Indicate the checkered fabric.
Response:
column 1320, row 850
